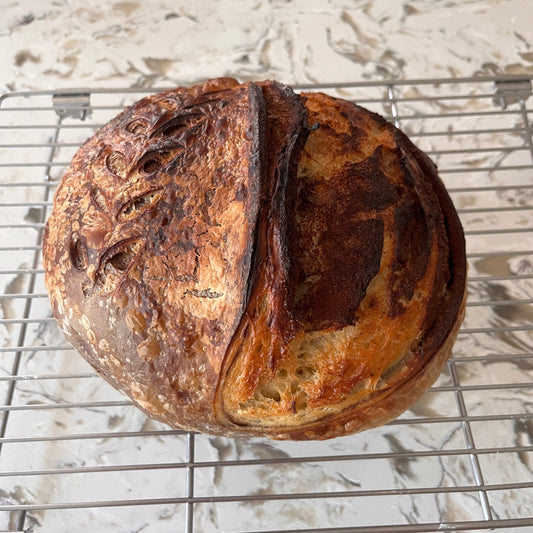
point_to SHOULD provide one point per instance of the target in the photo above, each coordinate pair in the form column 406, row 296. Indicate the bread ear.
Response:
column 370, row 241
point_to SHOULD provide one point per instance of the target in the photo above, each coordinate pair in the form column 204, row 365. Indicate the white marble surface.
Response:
column 56, row 44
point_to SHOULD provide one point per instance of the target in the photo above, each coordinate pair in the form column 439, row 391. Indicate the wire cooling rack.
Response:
column 77, row 456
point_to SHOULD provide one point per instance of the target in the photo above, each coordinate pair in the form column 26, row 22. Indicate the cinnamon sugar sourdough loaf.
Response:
column 242, row 260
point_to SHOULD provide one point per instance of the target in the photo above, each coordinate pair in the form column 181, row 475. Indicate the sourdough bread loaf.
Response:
column 239, row 259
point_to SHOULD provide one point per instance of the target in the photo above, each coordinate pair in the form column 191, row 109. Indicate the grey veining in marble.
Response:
column 61, row 43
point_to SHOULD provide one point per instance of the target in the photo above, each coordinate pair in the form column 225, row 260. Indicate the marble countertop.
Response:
column 59, row 43
column 53, row 44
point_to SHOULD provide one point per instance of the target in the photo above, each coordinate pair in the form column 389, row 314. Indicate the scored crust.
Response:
column 239, row 259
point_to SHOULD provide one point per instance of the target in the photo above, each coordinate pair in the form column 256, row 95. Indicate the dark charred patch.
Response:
column 340, row 286
column 277, row 156
column 444, row 225
column 370, row 189
column 412, row 249
column 325, row 291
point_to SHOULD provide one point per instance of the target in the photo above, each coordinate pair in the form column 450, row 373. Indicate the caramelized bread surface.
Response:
column 239, row 259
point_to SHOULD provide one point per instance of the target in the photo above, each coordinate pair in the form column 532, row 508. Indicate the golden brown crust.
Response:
column 239, row 259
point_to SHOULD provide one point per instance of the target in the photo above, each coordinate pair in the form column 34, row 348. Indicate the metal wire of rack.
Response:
column 75, row 455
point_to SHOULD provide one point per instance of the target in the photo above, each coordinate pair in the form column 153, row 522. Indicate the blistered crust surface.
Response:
column 239, row 259
column 148, row 249
column 375, row 254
